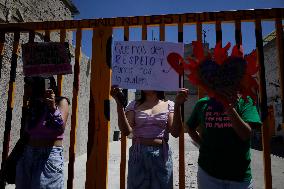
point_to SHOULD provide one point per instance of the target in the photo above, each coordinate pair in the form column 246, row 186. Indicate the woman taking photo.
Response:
column 150, row 120
column 41, row 165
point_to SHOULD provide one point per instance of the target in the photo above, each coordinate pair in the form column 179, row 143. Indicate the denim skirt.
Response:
column 149, row 169
column 40, row 168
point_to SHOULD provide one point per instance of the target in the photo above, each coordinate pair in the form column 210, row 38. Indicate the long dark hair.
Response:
column 160, row 96
column 37, row 85
column 36, row 106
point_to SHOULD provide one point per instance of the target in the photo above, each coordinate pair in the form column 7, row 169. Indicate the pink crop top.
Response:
column 50, row 126
column 150, row 126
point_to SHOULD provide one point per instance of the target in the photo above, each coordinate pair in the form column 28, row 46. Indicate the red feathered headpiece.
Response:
column 218, row 72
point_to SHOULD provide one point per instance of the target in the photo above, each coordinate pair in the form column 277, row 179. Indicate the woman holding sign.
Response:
column 41, row 165
column 150, row 120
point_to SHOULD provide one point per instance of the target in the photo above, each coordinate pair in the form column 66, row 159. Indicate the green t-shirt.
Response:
column 222, row 153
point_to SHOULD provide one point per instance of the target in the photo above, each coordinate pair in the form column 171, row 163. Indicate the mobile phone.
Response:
column 46, row 84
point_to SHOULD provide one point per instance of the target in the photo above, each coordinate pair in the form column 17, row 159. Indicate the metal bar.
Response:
column 191, row 18
column 74, row 116
column 263, row 106
column 97, row 162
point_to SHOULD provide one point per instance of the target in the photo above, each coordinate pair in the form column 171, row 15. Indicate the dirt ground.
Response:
column 191, row 156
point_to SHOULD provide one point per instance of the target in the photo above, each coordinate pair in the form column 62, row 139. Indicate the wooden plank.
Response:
column 280, row 51
column 91, row 147
column 10, row 101
column 162, row 32
column 60, row 77
column 25, row 97
column 263, row 106
column 218, row 28
column 238, row 33
column 123, row 138
column 47, row 36
column 74, row 115
column 99, row 122
column 169, row 19
column 144, row 32
column 200, row 91
column 181, row 135
column 2, row 44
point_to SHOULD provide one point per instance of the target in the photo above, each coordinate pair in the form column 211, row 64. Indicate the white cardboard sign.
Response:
column 143, row 65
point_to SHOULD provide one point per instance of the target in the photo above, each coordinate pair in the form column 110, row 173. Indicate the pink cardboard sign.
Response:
column 46, row 59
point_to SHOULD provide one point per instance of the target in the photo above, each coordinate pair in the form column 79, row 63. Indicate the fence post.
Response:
column 280, row 49
column 74, row 115
column 99, row 122
column 2, row 44
column 10, row 101
column 263, row 106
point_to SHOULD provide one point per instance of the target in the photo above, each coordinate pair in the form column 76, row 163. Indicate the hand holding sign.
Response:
column 118, row 95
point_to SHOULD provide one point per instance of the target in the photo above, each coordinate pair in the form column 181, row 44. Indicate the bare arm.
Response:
column 125, row 120
column 177, row 123
column 242, row 128
column 64, row 109
column 57, row 118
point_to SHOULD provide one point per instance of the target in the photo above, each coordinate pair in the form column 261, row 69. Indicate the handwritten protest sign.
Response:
column 46, row 59
column 143, row 65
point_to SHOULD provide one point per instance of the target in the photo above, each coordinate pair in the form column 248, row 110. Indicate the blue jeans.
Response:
column 40, row 168
column 149, row 169
column 206, row 181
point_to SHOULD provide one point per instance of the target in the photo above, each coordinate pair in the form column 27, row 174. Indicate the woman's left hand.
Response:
column 49, row 99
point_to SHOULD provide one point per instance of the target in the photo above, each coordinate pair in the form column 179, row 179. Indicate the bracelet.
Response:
column 56, row 113
column 56, row 117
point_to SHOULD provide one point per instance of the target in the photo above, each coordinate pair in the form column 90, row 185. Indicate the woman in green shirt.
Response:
column 224, row 154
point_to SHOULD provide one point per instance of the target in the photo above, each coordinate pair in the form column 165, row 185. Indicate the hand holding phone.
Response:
column 46, row 84
column 49, row 99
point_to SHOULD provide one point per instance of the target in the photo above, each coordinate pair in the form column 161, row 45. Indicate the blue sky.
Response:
column 115, row 8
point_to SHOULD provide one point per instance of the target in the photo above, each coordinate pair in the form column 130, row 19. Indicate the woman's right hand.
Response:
column 117, row 94
column 181, row 96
